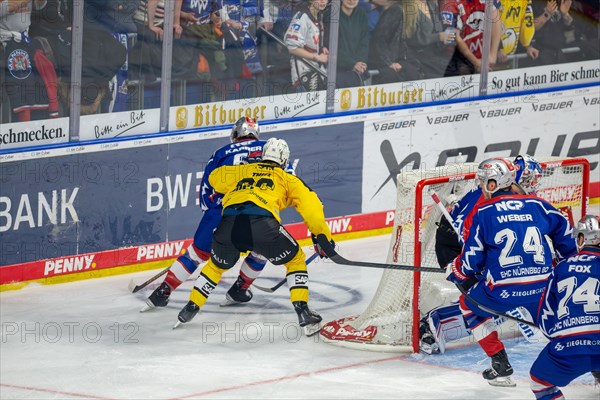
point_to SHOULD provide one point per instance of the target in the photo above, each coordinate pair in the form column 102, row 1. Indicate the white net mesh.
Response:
column 391, row 319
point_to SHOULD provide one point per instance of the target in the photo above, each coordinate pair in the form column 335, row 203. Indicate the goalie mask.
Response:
column 245, row 128
column 499, row 170
column 276, row 150
column 588, row 229
column 529, row 172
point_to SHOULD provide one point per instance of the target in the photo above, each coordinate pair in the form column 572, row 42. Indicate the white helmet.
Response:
column 500, row 170
column 529, row 172
column 276, row 150
column 589, row 227
column 245, row 127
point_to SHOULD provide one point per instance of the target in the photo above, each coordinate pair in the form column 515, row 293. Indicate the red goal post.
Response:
column 391, row 321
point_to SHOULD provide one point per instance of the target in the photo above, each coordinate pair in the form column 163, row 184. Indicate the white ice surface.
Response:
column 88, row 340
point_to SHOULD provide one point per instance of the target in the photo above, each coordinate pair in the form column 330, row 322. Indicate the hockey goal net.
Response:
column 391, row 321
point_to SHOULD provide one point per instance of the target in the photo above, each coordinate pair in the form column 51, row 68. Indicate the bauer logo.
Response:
column 500, row 112
column 69, row 264
column 594, row 101
column 160, row 251
column 559, row 105
column 387, row 126
column 447, row 119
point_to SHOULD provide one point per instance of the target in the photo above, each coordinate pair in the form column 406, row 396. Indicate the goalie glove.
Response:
column 318, row 248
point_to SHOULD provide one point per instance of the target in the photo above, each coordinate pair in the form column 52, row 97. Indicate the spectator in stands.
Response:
column 145, row 59
column 29, row 80
column 304, row 38
column 408, row 41
column 373, row 11
column 557, row 29
column 244, row 18
column 388, row 48
column 469, row 17
column 353, row 45
column 278, row 57
column 517, row 27
column 431, row 45
column 151, row 13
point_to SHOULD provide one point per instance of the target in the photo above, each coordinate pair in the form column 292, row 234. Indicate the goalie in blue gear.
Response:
column 244, row 147
column 570, row 316
column 445, row 324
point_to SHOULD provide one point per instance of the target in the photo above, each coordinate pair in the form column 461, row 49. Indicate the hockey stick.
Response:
column 284, row 280
column 302, row 60
column 133, row 288
column 447, row 215
column 336, row 258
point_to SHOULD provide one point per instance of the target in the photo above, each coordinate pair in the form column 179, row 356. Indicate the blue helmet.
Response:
column 529, row 172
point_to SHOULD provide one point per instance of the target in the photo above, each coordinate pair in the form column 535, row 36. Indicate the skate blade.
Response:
column 229, row 302
column 147, row 307
column 311, row 329
column 502, row 381
column 177, row 324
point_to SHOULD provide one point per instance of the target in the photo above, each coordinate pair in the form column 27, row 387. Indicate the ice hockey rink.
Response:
column 88, row 340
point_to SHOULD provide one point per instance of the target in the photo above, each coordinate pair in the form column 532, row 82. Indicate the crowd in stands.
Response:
column 237, row 49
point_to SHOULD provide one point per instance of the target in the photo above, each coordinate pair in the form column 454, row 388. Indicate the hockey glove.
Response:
column 454, row 272
column 318, row 248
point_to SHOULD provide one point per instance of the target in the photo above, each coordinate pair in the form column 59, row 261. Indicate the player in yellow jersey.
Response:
column 517, row 27
column 254, row 195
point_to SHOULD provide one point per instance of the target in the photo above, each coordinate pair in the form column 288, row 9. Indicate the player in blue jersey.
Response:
column 244, row 147
column 570, row 316
column 445, row 323
column 507, row 251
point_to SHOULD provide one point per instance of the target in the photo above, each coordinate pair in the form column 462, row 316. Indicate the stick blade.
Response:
column 133, row 288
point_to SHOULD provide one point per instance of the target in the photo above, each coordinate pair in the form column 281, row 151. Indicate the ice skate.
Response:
column 308, row 320
column 158, row 298
column 500, row 371
column 187, row 313
column 427, row 343
column 237, row 295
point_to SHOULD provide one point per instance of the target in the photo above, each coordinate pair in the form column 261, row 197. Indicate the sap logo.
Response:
column 301, row 279
column 582, row 258
column 512, row 205
column 387, row 126
column 70, row 264
column 157, row 251
column 207, row 288
column 591, row 102
column 448, row 119
column 500, row 113
column 559, row 105
column 581, row 268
